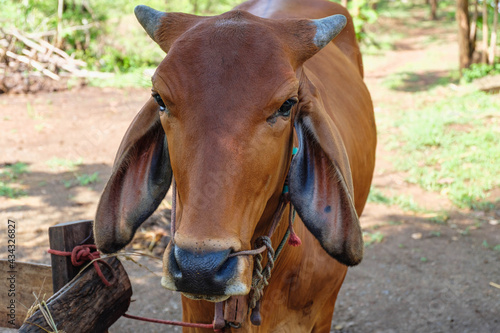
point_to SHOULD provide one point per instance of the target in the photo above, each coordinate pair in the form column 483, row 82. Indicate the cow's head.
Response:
column 226, row 100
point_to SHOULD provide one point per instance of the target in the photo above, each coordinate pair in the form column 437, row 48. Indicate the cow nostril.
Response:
column 206, row 273
column 227, row 269
column 173, row 267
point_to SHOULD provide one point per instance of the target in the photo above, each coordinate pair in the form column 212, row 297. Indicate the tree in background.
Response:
column 467, row 34
column 493, row 42
column 464, row 32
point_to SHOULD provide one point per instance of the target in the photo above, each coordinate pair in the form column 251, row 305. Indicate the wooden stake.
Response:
column 64, row 237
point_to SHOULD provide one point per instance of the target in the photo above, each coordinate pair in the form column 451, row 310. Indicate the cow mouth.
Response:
column 214, row 299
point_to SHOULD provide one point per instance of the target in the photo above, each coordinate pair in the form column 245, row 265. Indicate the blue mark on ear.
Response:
column 328, row 209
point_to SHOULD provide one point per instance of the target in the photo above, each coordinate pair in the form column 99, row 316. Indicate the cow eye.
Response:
column 158, row 100
column 285, row 109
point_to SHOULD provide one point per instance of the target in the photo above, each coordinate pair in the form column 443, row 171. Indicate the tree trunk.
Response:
column 462, row 15
column 493, row 42
column 473, row 29
column 484, row 55
column 433, row 9
column 344, row 3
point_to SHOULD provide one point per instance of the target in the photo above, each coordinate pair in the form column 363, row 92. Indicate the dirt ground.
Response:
column 421, row 276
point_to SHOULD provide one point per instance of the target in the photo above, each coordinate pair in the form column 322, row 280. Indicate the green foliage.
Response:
column 405, row 202
column 452, row 146
column 113, row 40
column 370, row 238
column 376, row 196
column 9, row 173
column 362, row 13
column 135, row 77
column 65, row 164
column 82, row 180
column 477, row 71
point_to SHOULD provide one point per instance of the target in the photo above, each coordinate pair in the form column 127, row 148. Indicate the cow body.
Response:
column 230, row 165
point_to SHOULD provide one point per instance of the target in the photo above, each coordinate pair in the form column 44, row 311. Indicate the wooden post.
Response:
column 85, row 304
column 64, row 237
column 82, row 302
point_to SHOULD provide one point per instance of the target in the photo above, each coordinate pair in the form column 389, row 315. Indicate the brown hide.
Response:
column 230, row 160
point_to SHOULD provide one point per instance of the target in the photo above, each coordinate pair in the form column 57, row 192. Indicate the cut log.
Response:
column 86, row 304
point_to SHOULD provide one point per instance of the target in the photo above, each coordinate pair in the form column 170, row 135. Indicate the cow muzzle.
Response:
column 211, row 275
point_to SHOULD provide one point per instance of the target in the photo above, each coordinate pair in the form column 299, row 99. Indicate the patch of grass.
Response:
column 372, row 238
column 132, row 78
column 376, row 196
column 65, row 164
column 440, row 217
column 465, row 232
column 477, row 71
column 452, row 146
column 407, row 203
column 10, row 173
column 413, row 82
column 484, row 205
column 32, row 114
column 82, row 180
column 496, row 247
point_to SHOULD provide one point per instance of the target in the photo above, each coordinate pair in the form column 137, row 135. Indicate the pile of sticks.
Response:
column 33, row 56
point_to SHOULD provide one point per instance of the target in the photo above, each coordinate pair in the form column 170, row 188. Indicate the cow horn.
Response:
column 328, row 28
column 149, row 18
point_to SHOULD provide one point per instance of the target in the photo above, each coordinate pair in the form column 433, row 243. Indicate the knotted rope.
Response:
column 261, row 276
column 82, row 254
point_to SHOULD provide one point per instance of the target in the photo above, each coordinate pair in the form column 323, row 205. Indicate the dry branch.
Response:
column 21, row 52
column 33, row 63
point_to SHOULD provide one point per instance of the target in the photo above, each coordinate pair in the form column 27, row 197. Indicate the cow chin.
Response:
column 214, row 299
column 205, row 283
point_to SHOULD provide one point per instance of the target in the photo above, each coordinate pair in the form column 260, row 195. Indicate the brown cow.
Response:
column 235, row 93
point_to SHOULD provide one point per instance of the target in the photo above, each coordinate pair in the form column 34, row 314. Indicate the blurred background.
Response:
column 73, row 74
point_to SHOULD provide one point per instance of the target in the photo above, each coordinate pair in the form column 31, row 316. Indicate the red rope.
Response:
column 175, row 323
column 82, row 254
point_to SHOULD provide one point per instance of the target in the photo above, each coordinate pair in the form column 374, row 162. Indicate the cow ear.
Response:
column 139, row 181
column 321, row 185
